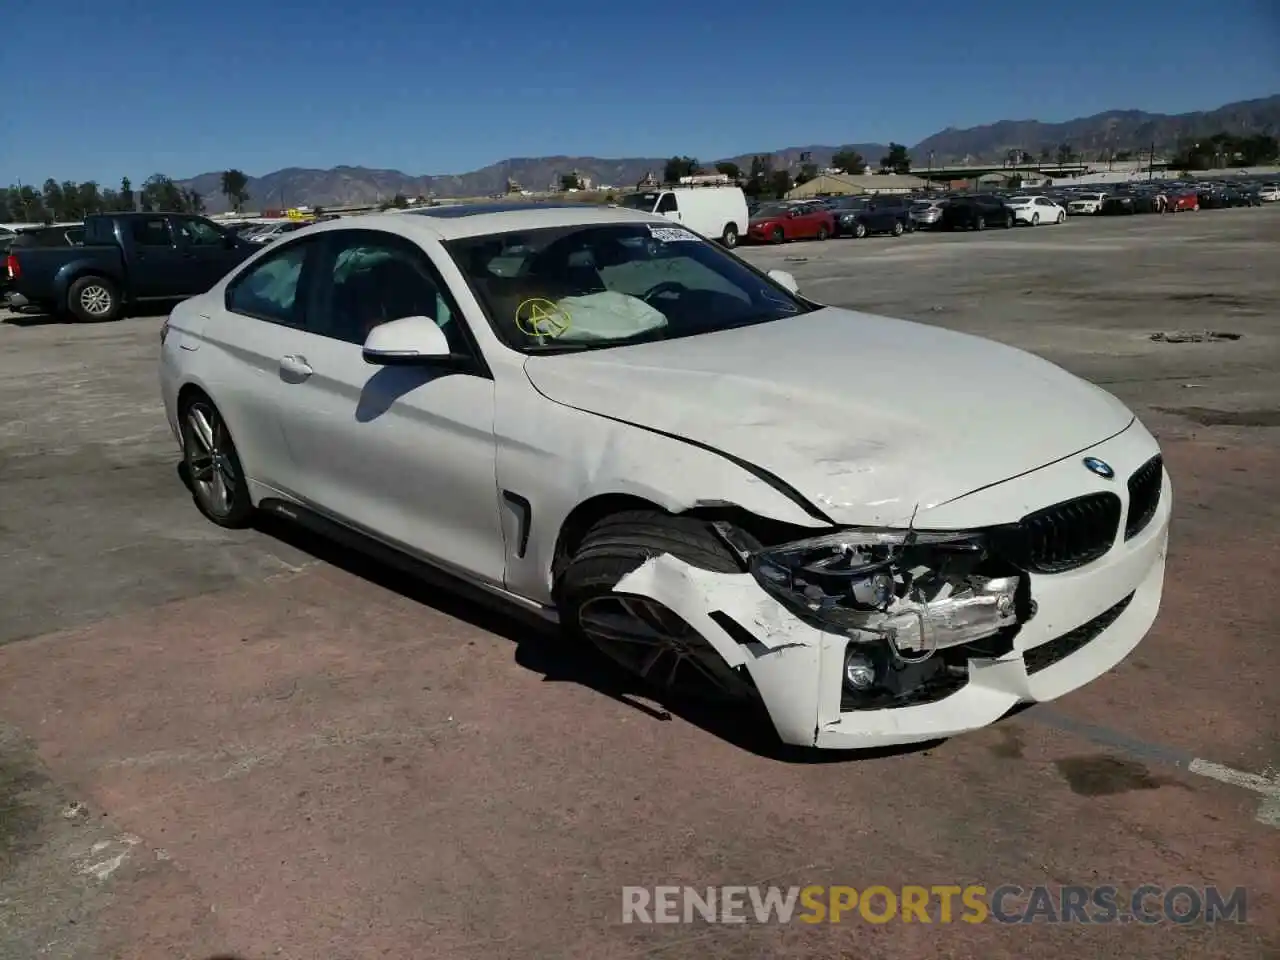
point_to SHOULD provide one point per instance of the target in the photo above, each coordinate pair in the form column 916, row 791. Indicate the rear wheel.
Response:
column 93, row 300
column 1008, row 221
column 212, row 465
column 730, row 236
column 637, row 633
column 980, row 223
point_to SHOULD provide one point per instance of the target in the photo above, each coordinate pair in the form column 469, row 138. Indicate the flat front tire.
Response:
column 212, row 465
column 640, row 634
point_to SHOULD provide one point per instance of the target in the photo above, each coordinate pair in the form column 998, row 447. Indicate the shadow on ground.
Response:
column 540, row 647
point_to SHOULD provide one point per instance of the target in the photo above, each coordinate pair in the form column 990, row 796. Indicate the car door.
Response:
column 261, row 321
column 157, row 267
column 207, row 252
column 403, row 453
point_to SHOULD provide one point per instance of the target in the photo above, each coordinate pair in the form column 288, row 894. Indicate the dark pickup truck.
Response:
column 124, row 258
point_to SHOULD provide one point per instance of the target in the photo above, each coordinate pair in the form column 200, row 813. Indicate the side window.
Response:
column 199, row 233
column 150, row 232
column 269, row 289
column 369, row 278
column 668, row 203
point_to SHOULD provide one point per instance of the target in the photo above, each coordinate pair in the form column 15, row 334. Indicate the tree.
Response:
column 678, row 167
column 235, row 187
column 52, row 195
column 758, row 179
column 807, row 172
column 850, row 161
column 1045, row 154
column 779, row 183
column 570, row 181
column 161, row 194
column 127, row 203
column 400, row 201
column 729, row 169
column 192, row 202
column 896, row 159
column 1065, row 153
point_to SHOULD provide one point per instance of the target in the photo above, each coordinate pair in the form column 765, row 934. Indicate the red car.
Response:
column 1183, row 200
column 778, row 223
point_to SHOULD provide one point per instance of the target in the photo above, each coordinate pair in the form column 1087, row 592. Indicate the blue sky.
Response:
column 133, row 87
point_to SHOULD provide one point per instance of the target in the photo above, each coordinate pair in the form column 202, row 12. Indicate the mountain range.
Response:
column 1092, row 137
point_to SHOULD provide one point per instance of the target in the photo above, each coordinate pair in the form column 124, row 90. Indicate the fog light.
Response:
column 859, row 671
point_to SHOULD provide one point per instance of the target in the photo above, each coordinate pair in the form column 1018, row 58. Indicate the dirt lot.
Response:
column 253, row 745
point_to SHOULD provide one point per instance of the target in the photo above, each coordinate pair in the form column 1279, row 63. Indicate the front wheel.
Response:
column 1035, row 219
column 93, row 300
column 730, row 236
column 637, row 633
column 860, row 231
column 1008, row 221
column 898, row 228
column 1062, row 216
column 778, row 235
column 980, row 223
column 822, row 233
column 212, row 465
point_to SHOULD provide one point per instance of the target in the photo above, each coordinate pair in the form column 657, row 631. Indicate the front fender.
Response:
column 555, row 457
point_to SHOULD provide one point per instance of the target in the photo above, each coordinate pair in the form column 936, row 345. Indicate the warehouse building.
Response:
column 841, row 185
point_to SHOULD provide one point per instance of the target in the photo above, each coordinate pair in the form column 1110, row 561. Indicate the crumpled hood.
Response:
column 869, row 418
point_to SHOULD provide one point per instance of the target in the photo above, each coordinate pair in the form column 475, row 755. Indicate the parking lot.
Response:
column 256, row 745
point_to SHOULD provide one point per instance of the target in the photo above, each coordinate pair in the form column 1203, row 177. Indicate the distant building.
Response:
column 705, row 179
column 648, row 181
column 841, row 185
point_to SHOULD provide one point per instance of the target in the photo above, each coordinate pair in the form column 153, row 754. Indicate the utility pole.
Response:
column 1151, row 162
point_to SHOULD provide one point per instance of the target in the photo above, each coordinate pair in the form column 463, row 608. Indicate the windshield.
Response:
column 770, row 210
column 588, row 287
column 639, row 201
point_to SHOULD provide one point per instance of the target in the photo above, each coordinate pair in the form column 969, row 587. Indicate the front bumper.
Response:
column 1087, row 621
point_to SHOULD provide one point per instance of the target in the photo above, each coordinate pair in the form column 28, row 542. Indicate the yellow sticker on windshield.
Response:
column 538, row 317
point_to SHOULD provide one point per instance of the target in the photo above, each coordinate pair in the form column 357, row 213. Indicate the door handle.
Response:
column 294, row 369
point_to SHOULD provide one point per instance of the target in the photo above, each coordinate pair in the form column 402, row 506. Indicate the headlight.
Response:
column 918, row 590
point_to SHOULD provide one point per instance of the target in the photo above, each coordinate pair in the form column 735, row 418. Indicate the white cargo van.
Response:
column 718, row 212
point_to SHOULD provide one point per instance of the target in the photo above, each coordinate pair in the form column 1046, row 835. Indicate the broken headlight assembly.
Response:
column 917, row 591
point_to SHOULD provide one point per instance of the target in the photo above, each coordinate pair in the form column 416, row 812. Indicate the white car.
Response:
column 883, row 531
column 1034, row 210
column 1269, row 192
column 1086, row 204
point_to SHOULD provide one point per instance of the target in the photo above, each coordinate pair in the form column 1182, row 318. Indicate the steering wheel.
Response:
column 666, row 286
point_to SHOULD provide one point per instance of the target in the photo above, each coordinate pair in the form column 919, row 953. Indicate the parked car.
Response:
column 1269, row 192
column 1183, row 199
column 926, row 213
column 977, row 212
column 568, row 434
column 860, row 216
column 1034, row 210
column 1086, row 204
column 1118, row 204
column 125, row 257
column 780, row 222
column 271, row 232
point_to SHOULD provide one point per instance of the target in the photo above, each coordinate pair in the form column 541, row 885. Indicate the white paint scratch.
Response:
column 102, row 867
column 1267, row 784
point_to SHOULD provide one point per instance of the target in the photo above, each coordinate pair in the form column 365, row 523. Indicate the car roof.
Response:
column 458, row 221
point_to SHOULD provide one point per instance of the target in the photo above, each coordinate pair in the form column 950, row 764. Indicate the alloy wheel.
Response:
column 651, row 642
column 210, row 459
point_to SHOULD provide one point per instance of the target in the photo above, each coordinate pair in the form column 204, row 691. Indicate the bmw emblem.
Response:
column 1099, row 467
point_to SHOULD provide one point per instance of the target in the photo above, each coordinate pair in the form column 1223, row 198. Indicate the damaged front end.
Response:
column 915, row 606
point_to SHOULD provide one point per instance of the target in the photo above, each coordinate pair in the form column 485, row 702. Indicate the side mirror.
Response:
column 784, row 279
column 407, row 341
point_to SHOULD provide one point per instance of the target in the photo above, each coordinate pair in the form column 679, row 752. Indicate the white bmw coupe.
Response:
column 882, row 531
